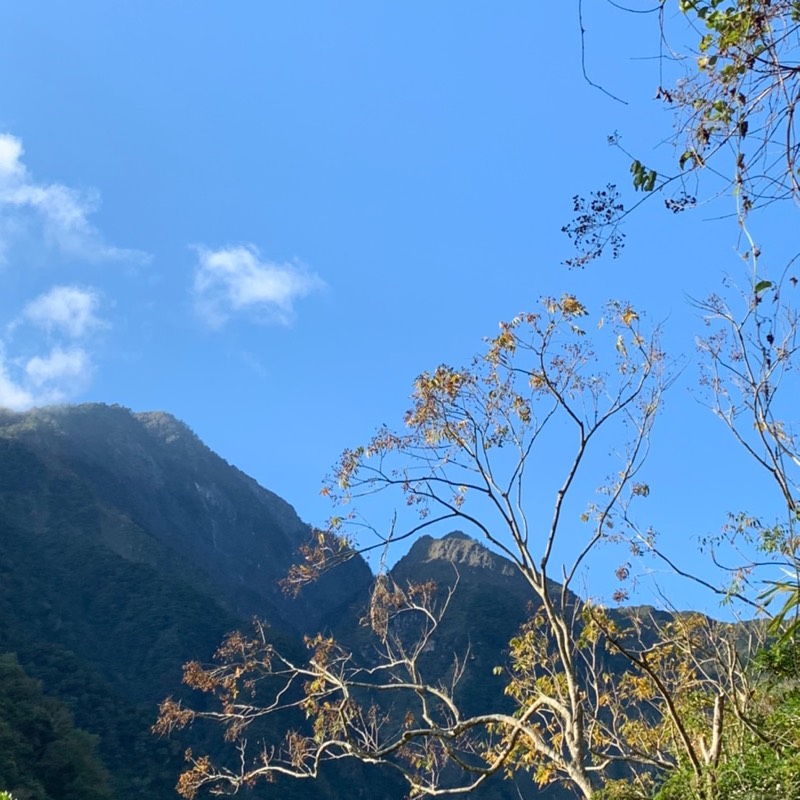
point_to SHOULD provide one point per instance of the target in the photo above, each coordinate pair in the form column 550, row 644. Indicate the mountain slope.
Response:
column 491, row 601
column 126, row 549
column 158, row 492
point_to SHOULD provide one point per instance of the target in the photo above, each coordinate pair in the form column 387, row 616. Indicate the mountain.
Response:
column 159, row 494
column 127, row 548
column 491, row 601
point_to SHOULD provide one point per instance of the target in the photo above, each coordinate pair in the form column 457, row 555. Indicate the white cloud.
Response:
column 237, row 279
column 59, row 369
column 53, row 378
column 37, row 219
column 65, row 308
column 62, row 212
column 10, row 154
column 44, row 377
column 12, row 395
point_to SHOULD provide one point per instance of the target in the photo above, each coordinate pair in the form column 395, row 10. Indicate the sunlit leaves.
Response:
column 644, row 179
column 628, row 315
column 744, row 88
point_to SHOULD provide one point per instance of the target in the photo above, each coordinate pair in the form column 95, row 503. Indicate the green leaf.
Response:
column 761, row 285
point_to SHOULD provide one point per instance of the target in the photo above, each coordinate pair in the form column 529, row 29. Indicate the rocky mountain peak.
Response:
column 455, row 548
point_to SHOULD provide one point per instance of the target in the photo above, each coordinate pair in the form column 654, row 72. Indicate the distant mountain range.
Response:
column 127, row 548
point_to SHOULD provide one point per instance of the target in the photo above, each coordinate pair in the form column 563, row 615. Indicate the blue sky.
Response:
column 266, row 218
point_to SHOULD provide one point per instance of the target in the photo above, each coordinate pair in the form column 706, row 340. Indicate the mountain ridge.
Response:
column 151, row 468
column 129, row 548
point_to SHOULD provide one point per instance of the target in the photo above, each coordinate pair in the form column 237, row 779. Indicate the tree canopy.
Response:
column 42, row 755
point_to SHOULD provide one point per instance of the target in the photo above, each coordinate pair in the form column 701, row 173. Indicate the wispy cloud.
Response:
column 43, row 380
column 67, row 309
column 13, row 394
column 62, row 212
column 61, row 369
column 234, row 280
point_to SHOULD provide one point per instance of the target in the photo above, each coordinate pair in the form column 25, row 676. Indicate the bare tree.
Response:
column 750, row 361
column 478, row 451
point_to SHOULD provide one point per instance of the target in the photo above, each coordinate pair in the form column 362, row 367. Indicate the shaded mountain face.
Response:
column 490, row 603
column 456, row 555
column 162, row 498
